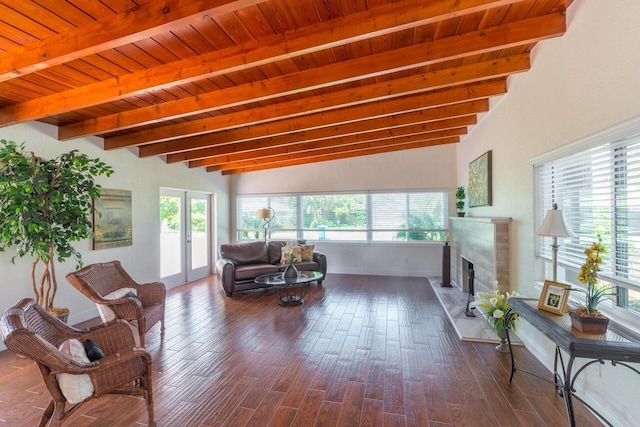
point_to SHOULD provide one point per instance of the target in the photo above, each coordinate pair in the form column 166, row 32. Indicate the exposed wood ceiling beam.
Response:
column 345, row 145
column 147, row 20
column 366, row 129
column 385, row 90
column 374, row 115
column 242, row 168
column 414, row 132
column 377, row 21
column 242, row 85
column 419, row 55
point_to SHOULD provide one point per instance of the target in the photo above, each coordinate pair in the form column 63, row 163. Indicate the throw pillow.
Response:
column 290, row 253
column 75, row 388
column 106, row 314
column 307, row 252
column 93, row 350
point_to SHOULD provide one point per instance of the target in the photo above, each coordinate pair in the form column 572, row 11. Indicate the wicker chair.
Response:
column 31, row 331
column 98, row 280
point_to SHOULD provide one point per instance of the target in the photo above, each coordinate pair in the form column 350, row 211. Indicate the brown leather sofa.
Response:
column 240, row 263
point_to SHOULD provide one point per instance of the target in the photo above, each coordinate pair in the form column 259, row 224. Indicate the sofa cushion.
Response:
column 250, row 272
column 245, row 253
column 307, row 252
column 301, row 266
column 275, row 249
column 290, row 254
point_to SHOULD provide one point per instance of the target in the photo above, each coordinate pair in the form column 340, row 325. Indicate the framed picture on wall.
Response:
column 112, row 219
column 480, row 181
column 554, row 297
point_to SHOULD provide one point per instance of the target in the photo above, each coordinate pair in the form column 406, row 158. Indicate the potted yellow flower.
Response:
column 495, row 306
column 587, row 317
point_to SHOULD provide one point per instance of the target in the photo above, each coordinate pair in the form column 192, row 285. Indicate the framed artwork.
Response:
column 554, row 297
column 112, row 219
column 480, row 181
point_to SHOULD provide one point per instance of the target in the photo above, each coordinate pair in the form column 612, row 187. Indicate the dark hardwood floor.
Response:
column 361, row 351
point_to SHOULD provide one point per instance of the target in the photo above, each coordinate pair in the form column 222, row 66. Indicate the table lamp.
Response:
column 555, row 225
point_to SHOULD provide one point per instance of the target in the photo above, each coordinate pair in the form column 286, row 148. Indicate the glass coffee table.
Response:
column 290, row 291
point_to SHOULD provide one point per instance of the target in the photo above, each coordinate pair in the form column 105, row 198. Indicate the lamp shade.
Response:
column 265, row 213
column 555, row 224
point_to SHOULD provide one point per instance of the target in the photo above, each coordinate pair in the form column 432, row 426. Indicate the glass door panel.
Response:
column 199, row 237
column 171, row 232
column 185, row 236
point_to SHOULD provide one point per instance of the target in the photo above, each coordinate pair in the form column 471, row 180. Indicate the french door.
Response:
column 185, row 236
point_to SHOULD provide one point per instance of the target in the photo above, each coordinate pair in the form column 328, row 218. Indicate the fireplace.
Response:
column 481, row 244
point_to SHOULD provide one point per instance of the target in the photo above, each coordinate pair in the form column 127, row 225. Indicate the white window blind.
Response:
column 599, row 191
column 408, row 216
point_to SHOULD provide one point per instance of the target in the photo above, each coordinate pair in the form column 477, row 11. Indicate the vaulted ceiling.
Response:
column 245, row 85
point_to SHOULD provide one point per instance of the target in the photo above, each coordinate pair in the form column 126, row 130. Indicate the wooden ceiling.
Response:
column 245, row 85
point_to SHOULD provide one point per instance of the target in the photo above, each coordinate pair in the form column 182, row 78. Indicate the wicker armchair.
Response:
column 31, row 331
column 99, row 280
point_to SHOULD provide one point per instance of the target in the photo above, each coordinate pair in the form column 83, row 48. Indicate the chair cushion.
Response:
column 75, row 388
column 106, row 314
column 93, row 350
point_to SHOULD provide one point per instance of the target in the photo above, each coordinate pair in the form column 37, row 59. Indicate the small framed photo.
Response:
column 554, row 297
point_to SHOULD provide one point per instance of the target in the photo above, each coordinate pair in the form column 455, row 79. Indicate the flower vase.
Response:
column 503, row 347
column 290, row 273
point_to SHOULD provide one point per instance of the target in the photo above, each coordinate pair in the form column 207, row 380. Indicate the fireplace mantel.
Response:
column 484, row 242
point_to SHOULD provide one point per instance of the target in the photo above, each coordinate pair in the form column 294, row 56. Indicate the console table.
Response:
column 596, row 348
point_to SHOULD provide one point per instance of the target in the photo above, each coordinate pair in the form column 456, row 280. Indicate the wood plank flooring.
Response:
column 361, row 351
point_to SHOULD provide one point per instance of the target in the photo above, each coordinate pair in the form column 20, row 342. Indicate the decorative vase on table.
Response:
column 495, row 307
column 503, row 347
column 290, row 273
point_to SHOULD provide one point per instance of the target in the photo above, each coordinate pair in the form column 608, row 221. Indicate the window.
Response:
column 598, row 188
column 358, row 217
column 281, row 226
column 334, row 217
column 408, row 216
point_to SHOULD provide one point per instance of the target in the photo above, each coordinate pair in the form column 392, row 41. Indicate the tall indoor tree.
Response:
column 45, row 206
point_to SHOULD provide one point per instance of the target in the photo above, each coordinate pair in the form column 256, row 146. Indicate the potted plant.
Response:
column 45, row 205
column 460, row 196
column 495, row 307
column 587, row 317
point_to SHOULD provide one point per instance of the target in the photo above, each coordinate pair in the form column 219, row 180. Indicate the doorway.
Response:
column 186, row 236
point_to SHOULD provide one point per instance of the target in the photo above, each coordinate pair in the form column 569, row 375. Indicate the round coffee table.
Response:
column 290, row 291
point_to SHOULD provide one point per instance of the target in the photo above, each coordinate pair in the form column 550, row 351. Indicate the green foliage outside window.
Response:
column 336, row 211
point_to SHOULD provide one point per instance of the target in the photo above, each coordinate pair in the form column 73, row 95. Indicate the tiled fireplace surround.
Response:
column 483, row 242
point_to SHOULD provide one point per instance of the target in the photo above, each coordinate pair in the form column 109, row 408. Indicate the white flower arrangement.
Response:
column 495, row 306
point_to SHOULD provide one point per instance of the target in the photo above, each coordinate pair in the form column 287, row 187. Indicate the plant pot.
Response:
column 60, row 313
column 589, row 324
column 461, row 214
column 290, row 273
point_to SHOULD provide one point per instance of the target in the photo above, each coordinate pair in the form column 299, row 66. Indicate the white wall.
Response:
column 580, row 83
column 422, row 169
column 143, row 177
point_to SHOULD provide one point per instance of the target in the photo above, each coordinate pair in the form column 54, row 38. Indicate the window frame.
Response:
column 367, row 230
column 611, row 140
